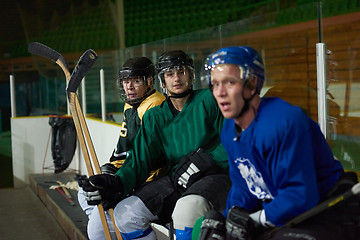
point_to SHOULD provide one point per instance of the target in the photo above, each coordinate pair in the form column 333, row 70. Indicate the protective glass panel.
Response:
column 341, row 34
column 284, row 32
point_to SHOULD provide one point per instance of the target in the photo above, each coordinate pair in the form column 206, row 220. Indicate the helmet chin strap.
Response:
column 181, row 95
column 138, row 101
column 246, row 101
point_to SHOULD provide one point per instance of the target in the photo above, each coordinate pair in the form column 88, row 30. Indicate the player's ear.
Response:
column 149, row 81
column 251, row 83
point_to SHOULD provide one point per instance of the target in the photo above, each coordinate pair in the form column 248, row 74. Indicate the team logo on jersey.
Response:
column 253, row 178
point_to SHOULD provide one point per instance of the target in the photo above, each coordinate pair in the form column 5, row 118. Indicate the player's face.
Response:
column 177, row 80
column 134, row 87
column 227, row 89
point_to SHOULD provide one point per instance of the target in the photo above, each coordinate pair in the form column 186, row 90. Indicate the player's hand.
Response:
column 103, row 188
column 213, row 226
column 193, row 167
column 239, row 225
column 92, row 195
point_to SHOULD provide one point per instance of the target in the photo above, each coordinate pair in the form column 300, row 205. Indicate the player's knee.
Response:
column 95, row 229
column 133, row 218
column 188, row 209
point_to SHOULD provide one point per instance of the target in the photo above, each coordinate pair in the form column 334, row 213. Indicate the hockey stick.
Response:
column 41, row 50
column 46, row 52
column 355, row 190
column 84, row 64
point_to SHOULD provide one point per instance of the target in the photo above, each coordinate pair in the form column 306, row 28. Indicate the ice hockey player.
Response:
column 280, row 163
column 136, row 85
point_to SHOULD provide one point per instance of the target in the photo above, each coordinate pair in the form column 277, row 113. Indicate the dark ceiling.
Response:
column 24, row 19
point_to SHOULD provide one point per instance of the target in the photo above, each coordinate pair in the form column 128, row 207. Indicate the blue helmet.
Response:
column 246, row 57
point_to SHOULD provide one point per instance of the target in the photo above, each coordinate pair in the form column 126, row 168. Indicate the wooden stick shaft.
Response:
column 89, row 142
column 74, row 111
column 74, row 103
column 65, row 70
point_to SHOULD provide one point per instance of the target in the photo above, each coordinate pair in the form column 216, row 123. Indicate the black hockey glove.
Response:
column 102, row 188
column 213, row 226
column 240, row 226
column 108, row 168
column 92, row 195
column 193, row 167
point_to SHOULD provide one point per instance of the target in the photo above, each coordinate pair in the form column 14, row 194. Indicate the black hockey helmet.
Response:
column 174, row 59
column 137, row 67
column 141, row 68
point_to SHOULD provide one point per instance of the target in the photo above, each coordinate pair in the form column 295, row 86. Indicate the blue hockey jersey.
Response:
column 281, row 162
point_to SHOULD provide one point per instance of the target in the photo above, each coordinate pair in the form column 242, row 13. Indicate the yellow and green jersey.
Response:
column 131, row 125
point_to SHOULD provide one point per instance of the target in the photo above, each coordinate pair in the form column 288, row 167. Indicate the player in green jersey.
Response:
column 183, row 133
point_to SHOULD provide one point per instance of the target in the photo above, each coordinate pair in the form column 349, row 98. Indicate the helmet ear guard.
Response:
column 249, row 77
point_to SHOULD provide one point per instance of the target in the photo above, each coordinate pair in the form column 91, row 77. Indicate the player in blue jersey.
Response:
column 279, row 161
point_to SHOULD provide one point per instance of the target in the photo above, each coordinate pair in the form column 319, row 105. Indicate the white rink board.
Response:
column 31, row 145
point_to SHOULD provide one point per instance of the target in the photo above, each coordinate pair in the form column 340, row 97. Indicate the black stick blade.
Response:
column 42, row 50
column 84, row 64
